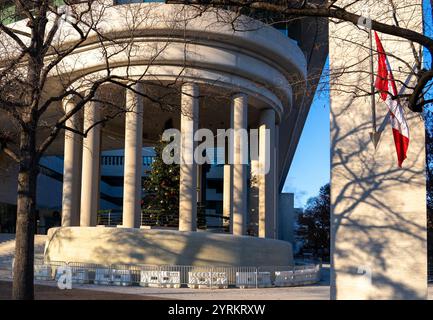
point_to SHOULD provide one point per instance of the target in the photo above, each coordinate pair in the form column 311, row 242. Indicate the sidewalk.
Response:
column 45, row 292
column 49, row 290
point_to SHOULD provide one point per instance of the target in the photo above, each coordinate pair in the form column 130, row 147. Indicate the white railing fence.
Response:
column 176, row 276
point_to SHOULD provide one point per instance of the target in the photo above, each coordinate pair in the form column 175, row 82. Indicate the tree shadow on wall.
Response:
column 372, row 224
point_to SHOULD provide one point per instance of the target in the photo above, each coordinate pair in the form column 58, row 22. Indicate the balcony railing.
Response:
column 155, row 218
column 119, row 160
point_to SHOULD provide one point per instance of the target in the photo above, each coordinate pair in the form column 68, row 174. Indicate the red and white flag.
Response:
column 385, row 83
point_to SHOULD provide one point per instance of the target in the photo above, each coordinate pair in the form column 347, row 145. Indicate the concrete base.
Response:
column 163, row 247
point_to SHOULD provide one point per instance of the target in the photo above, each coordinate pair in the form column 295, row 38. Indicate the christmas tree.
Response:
column 161, row 203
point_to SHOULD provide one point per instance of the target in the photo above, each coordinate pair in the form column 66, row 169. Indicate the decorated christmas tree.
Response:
column 161, row 203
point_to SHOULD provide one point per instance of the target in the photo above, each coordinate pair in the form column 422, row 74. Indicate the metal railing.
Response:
column 110, row 218
column 150, row 217
column 176, row 276
column 156, row 218
column 119, row 160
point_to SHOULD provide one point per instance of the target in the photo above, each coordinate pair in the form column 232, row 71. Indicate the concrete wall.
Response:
column 378, row 210
column 286, row 217
column 161, row 247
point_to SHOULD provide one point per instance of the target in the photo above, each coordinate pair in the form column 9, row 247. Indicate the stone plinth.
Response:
column 163, row 247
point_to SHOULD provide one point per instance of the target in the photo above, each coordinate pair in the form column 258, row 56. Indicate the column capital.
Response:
column 268, row 117
column 190, row 84
column 138, row 86
column 190, row 89
column 67, row 101
column 238, row 95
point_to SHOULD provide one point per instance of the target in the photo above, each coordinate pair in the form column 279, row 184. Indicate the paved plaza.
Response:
column 48, row 289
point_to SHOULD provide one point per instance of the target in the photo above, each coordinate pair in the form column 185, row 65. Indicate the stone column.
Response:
column 266, row 174
column 188, row 167
column 286, row 217
column 199, row 190
column 277, row 184
column 71, row 170
column 91, row 166
column 240, row 172
column 200, row 187
column 254, row 196
column 227, row 197
column 133, row 158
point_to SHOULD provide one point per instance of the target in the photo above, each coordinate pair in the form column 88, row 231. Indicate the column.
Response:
column 71, row 170
column 277, row 183
column 254, row 194
column 200, row 189
column 188, row 167
column 133, row 157
column 201, row 195
column 287, row 217
column 266, row 174
column 240, row 161
column 91, row 166
column 227, row 197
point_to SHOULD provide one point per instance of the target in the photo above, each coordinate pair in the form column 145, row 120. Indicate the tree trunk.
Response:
column 23, row 288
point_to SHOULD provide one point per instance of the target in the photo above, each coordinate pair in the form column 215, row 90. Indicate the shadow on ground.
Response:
column 53, row 293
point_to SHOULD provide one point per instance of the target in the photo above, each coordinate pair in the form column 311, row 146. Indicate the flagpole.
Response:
column 374, row 135
column 373, row 97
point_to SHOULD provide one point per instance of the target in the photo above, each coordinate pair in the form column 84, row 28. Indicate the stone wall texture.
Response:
column 107, row 246
column 378, row 210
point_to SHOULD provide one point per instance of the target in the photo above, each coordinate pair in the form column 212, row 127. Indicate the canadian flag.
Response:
column 385, row 83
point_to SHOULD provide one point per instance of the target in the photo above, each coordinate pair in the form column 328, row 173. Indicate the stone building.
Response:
column 207, row 75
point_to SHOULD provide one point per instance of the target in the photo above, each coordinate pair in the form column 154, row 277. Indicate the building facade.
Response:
column 184, row 68
column 187, row 70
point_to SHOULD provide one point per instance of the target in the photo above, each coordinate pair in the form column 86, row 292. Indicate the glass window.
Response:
column 10, row 14
column 7, row 13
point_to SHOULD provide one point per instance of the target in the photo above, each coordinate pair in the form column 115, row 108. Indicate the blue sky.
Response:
column 428, row 29
column 311, row 165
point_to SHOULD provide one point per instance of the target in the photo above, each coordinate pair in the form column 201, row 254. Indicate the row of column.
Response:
column 81, row 174
column 82, row 166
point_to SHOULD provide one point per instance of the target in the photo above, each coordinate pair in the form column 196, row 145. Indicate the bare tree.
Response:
column 342, row 11
column 42, row 49
column 36, row 52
